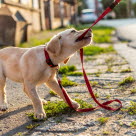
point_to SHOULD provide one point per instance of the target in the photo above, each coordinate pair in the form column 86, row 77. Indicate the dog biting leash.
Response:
column 102, row 105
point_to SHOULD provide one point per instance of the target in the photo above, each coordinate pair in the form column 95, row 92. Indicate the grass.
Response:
column 109, row 69
column 67, row 69
column 54, row 109
column 75, row 73
column 66, row 82
column 89, row 58
column 94, row 83
column 34, row 42
column 102, row 34
column 133, row 91
column 32, row 126
column 126, row 70
column 126, row 80
column 131, row 109
column 103, row 120
column 96, row 50
column 133, row 124
column 52, row 93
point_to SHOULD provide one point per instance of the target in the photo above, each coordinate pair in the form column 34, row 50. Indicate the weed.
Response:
column 109, row 69
column 106, row 132
column 103, row 120
column 66, row 69
column 31, row 126
column 66, row 82
column 75, row 73
column 126, row 80
column 52, row 93
column 96, row 95
column 83, row 104
column 109, row 60
column 108, row 96
column 133, row 91
column 89, row 58
column 19, row 134
column 133, row 124
column 126, row 70
column 58, row 108
column 96, row 50
column 94, row 83
column 131, row 109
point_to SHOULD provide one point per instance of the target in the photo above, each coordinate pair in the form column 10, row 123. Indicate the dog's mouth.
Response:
column 85, row 38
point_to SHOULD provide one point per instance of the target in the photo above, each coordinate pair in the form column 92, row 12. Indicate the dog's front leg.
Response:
column 53, row 84
column 30, row 90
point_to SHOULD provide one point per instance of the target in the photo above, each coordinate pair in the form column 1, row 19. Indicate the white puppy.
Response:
column 28, row 66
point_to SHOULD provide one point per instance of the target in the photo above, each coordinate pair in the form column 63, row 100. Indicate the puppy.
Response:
column 28, row 66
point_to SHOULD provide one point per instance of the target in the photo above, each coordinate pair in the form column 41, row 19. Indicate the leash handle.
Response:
column 110, row 8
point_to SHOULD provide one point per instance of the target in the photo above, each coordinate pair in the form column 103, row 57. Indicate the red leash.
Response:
column 102, row 105
column 116, row 2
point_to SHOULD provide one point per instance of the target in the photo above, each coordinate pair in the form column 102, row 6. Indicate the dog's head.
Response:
column 65, row 44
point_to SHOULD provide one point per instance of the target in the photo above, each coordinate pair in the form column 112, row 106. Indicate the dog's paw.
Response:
column 44, row 101
column 75, row 104
column 40, row 115
column 3, row 107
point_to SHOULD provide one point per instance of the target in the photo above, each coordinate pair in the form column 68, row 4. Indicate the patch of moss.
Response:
column 52, row 93
column 133, row 124
column 58, row 108
column 126, row 70
column 103, row 120
column 67, row 69
column 126, row 80
column 66, row 82
column 75, row 73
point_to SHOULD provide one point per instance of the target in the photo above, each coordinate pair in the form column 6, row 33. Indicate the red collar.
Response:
column 48, row 60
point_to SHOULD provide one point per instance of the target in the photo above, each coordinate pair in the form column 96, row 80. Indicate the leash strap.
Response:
column 110, row 8
column 102, row 105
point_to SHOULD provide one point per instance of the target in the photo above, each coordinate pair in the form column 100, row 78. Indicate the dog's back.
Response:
column 9, row 62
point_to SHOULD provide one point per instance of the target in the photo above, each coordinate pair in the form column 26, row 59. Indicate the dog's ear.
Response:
column 66, row 61
column 54, row 45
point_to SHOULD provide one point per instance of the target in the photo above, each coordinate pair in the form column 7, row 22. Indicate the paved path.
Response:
column 126, row 28
column 128, row 53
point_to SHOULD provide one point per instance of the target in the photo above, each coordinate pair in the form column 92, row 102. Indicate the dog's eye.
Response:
column 73, row 31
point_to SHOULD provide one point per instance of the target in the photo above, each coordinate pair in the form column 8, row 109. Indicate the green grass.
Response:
column 54, row 109
column 102, row 34
column 67, row 69
column 32, row 126
column 75, row 73
column 94, row 83
column 133, row 124
column 103, row 120
column 52, row 93
column 96, row 50
column 133, row 91
column 34, row 42
column 131, row 109
column 126, row 80
column 66, row 82
column 126, row 70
